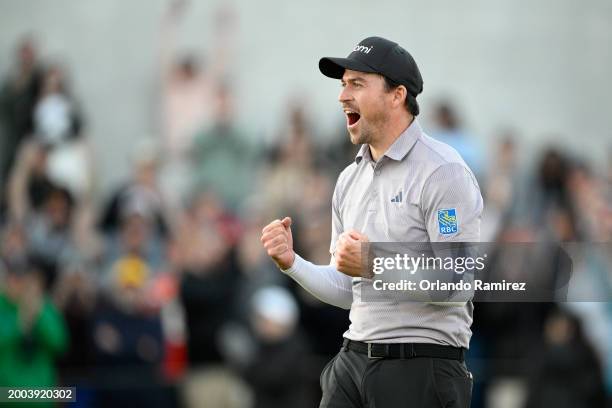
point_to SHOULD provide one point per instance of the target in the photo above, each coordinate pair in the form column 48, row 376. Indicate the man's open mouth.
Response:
column 352, row 117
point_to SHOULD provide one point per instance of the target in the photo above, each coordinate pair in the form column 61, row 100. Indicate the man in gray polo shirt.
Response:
column 402, row 187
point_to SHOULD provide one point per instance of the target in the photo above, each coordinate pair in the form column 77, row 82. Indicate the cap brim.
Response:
column 334, row 67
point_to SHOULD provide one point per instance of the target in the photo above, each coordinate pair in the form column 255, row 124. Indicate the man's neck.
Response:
column 388, row 137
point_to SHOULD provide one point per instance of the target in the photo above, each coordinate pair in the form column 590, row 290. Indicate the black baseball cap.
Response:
column 381, row 56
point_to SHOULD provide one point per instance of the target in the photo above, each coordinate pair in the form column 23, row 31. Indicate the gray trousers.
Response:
column 353, row 380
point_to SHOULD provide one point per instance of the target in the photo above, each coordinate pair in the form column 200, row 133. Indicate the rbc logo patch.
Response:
column 447, row 221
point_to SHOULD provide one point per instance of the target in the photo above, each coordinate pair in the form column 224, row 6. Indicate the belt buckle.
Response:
column 370, row 356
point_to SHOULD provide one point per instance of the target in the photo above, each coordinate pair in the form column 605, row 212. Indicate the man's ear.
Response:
column 399, row 95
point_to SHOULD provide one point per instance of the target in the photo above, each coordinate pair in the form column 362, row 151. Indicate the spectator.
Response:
column 75, row 294
column 501, row 188
column 209, row 277
column 128, row 337
column 50, row 233
column 32, row 332
column 139, row 194
column 588, row 195
column 127, row 326
column 29, row 184
column 276, row 371
column 56, row 114
column 550, row 184
column 567, row 372
column 187, row 84
column 188, row 94
column 13, row 241
column 136, row 239
column 450, row 131
column 18, row 95
column 45, row 210
column 223, row 157
column 59, row 126
column 290, row 164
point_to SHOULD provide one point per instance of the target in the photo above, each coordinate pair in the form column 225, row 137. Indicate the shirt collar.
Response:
column 400, row 148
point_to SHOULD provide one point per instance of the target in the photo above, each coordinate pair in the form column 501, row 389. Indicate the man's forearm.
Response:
column 323, row 281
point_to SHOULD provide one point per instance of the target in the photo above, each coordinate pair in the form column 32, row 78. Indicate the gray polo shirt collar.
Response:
column 399, row 149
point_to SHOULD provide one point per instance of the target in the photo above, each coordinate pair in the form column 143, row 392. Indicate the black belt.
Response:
column 404, row 350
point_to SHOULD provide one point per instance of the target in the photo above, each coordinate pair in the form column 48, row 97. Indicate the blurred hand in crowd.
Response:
column 201, row 242
column 31, row 164
column 13, row 241
column 25, row 289
column 30, row 302
column 75, row 288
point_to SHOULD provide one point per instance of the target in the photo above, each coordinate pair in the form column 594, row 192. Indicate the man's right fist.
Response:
column 276, row 238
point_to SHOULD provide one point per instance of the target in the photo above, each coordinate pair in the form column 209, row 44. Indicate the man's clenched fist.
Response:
column 348, row 254
column 276, row 238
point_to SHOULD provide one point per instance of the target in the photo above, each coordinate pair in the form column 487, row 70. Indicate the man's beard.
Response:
column 364, row 136
column 368, row 130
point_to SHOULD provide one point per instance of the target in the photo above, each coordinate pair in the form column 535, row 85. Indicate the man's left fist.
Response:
column 349, row 256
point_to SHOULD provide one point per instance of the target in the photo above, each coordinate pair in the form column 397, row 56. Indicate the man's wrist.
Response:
column 291, row 267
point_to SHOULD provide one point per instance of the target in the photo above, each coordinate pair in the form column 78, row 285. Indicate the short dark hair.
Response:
column 411, row 103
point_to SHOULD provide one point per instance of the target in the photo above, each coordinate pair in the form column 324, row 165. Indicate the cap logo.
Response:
column 363, row 48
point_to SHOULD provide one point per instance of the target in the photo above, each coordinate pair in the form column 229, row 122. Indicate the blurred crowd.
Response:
column 158, row 292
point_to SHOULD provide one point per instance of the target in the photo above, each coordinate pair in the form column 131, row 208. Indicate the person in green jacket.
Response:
column 32, row 331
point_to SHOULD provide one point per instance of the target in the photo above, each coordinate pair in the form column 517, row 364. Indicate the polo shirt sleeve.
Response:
column 337, row 227
column 451, row 204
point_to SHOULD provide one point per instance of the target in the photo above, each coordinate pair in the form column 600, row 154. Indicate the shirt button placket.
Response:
column 377, row 167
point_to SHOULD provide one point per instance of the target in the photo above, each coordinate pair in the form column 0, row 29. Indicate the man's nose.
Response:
column 345, row 95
